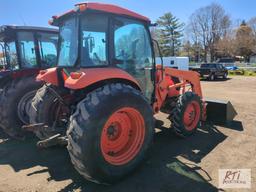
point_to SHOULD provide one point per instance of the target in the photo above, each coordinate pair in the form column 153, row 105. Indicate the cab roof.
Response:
column 27, row 28
column 107, row 8
column 7, row 31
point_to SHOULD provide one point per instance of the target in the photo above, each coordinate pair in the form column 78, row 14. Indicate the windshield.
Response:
column 94, row 40
column 68, row 50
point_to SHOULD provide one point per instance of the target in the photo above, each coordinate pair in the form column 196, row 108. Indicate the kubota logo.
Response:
column 235, row 178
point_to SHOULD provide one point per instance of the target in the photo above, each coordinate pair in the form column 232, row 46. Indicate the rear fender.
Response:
column 94, row 75
column 8, row 75
column 24, row 73
column 48, row 76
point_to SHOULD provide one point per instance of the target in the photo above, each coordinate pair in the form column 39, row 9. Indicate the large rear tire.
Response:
column 186, row 116
column 46, row 108
column 15, row 101
column 110, row 133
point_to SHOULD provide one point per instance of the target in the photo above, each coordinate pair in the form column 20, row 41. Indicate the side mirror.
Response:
column 160, row 55
column 157, row 47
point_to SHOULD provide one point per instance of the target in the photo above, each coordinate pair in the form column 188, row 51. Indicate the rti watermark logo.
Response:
column 235, row 178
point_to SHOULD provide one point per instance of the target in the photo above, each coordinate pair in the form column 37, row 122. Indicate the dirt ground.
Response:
column 173, row 165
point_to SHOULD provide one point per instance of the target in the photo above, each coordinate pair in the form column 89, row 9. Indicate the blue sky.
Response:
column 38, row 12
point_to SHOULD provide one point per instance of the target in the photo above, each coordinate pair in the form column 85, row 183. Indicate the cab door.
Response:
column 133, row 52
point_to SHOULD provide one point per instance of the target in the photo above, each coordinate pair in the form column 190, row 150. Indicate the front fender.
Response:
column 94, row 75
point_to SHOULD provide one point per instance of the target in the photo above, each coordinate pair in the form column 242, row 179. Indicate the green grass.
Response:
column 242, row 72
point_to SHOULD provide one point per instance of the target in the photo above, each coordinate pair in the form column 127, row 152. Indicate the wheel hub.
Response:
column 191, row 115
column 122, row 136
column 113, row 132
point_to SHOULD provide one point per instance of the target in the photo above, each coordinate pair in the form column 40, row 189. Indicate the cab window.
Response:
column 48, row 49
column 133, row 52
column 93, row 40
column 26, row 44
column 132, row 46
column 11, row 55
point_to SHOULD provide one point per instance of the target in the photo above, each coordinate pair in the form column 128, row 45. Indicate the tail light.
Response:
column 42, row 72
column 76, row 75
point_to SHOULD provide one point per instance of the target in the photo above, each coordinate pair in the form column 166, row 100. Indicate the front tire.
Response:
column 110, row 133
column 187, row 114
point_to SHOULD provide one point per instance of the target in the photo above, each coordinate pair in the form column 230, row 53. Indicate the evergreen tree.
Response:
column 170, row 33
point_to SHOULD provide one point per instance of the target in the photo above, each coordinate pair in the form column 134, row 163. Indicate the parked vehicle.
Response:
column 231, row 68
column 212, row 71
column 181, row 63
column 228, row 63
column 24, row 51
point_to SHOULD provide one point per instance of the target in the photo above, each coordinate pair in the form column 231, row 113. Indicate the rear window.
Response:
column 208, row 65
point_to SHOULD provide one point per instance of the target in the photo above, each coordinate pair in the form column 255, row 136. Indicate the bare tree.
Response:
column 252, row 24
column 245, row 41
column 226, row 46
column 208, row 25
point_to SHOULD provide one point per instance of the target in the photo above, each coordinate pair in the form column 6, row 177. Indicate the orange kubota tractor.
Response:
column 109, row 85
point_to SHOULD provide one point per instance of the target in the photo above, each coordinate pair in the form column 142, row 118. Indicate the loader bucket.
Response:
column 220, row 112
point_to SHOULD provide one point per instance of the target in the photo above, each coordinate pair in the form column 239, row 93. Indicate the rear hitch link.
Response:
column 55, row 140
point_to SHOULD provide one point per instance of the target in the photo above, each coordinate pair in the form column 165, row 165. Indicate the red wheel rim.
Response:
column 122, row 136
column 191, row 115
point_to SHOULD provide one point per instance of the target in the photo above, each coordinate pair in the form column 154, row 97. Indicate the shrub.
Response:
column 240, row 72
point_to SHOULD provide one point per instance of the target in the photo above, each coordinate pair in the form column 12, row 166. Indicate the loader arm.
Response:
column 216, row 111
column 166, row 88
column 191, row 77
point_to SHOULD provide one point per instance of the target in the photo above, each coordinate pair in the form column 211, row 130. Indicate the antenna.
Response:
column 22, row 19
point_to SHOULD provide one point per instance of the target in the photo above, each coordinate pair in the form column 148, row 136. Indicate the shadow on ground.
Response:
column 161, row 172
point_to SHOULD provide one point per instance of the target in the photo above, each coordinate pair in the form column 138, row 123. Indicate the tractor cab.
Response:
column 95, row 36
column 27, row 48
column 24, row 51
